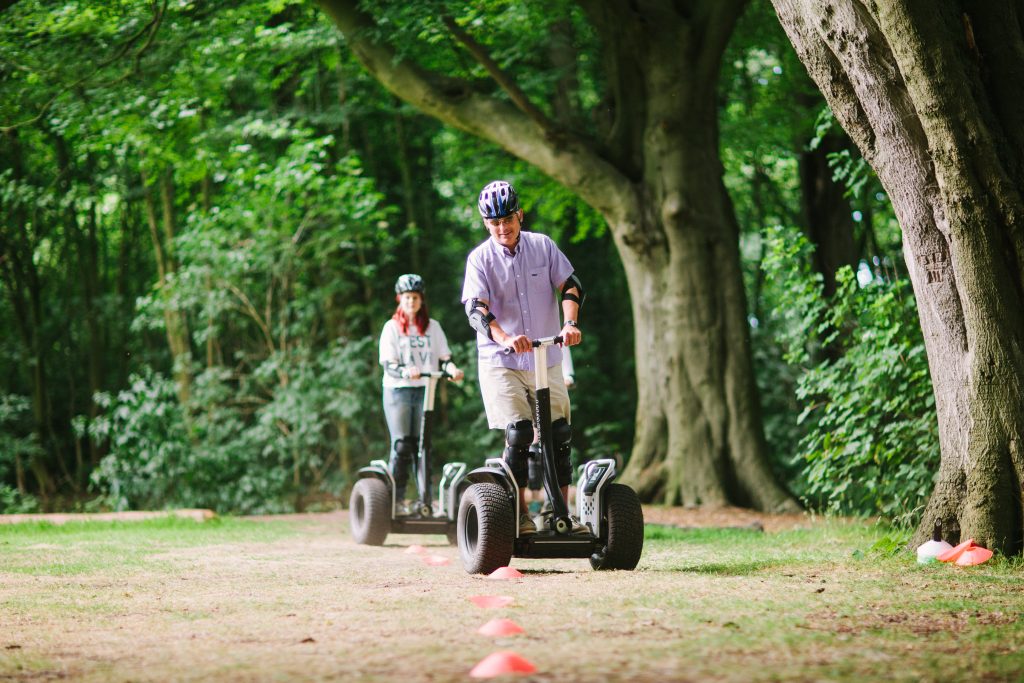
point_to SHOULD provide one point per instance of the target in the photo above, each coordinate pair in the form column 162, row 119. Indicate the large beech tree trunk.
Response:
column 931, row 95
column 653, row 171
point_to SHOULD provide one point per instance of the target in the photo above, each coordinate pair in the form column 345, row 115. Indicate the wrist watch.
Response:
column 571, row 323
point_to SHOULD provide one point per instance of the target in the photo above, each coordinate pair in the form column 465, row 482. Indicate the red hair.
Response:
column 422, row 318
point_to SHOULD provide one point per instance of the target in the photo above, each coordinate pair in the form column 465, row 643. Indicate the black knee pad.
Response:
column 519, row 436
column 519, row 433
column 536, row 474
column 561, row 432
column 406, row 448
column 404, row 452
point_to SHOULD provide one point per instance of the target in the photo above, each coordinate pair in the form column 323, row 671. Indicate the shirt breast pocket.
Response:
column 538, row 285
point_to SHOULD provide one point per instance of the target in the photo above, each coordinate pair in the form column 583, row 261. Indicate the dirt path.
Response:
column 312, row 605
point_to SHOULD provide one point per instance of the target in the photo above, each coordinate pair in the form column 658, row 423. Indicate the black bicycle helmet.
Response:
column 410, row 282
column 497, row 200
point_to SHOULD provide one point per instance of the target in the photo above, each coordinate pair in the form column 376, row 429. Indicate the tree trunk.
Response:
column 18, row 243
column 930, row 94
column 174, row 319
column 655, row 175
column 828, row 219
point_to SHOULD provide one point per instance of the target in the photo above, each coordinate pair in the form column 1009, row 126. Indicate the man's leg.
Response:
column 505, row 393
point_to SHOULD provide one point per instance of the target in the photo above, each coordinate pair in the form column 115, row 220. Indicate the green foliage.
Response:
column 16, row 453
column 871, row 442
column 245, row 443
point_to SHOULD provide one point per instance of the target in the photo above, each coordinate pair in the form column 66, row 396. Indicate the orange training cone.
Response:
column 505, row 573
column 501, row 663
column 415, row 549
column 492, row 601
column 974, row 555
column 436, row 560
column 500, row 627
column 953, row 553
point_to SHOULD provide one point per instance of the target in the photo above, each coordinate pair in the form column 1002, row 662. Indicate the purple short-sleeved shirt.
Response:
column 520, row 289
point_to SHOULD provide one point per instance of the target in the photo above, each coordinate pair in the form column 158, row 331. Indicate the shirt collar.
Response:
column 503, row 250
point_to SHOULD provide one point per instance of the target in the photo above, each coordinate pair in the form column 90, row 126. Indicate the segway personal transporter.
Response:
column 488, row 532
column 373, row 505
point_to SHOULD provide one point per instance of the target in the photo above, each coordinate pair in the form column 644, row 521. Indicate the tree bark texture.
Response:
column 654, row 173
column 930, row 93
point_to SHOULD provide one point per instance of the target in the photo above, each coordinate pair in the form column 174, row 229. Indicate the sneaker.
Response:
column 402, row 507
column 578, row 526
column 526, row 525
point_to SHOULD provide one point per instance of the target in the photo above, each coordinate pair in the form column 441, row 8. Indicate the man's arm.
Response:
column 481, row 320
column 572, row 297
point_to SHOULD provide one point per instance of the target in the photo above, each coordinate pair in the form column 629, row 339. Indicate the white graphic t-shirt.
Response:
column 424, row 351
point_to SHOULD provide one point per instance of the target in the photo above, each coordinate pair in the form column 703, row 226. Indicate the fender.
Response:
column 377, row 469
column 495, row 471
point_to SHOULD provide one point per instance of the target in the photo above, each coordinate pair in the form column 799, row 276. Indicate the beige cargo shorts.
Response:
column 509, row 395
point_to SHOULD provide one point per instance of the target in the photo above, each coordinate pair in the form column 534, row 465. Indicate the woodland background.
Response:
column 204, row 207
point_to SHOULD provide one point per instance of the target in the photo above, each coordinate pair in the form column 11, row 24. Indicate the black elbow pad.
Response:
column 481, row 322
column 572, row 282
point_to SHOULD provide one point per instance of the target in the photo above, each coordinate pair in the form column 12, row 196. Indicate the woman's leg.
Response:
column 403, row 411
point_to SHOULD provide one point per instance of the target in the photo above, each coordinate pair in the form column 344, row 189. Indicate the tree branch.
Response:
column 151, row 28
column 569, row 159
column 519, row 98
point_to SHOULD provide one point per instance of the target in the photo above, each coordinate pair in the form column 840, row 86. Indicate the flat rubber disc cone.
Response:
column 974, row 555
column 501, row 663
column 953, row 553
column 415, row 549
column 505, row 573
column 436, row 560
column 492, row 601
column 500, row 627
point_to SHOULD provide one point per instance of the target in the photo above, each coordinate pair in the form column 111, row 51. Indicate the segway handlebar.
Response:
column 545, row 341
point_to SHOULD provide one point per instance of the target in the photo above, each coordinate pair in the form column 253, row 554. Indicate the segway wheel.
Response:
column 624, row 529
column 484, row 531
column 369, row 511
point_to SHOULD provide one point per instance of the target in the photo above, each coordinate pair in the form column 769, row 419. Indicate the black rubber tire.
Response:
column 369, row 511
column 624, row 529
column 485, row 533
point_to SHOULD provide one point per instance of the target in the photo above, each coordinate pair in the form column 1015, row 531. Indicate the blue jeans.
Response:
column 403, row 410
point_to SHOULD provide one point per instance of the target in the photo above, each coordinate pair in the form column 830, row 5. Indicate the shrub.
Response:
column 871, row 439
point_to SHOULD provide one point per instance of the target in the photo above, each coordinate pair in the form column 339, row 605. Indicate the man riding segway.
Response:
column 510, row 297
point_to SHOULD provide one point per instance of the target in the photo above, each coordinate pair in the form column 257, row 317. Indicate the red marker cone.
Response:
column 505, row 573
column 953, row 553
column 500, row 627
column 492, row 601
column 974, row 555
column 436, row 560
column 415, row 549
column 501, row 663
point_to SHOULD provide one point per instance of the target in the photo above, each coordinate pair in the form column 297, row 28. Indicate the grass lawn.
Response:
column 295, row 599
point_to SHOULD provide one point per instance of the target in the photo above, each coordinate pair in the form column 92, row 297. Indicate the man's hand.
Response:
column 519, row 344
column 571, row 335
column 411, row 372
column 455, row 373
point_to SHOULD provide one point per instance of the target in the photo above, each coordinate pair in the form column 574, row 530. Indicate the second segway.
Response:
column 373, row 505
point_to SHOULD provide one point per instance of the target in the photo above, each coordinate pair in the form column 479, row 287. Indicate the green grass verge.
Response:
column 45, row 549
